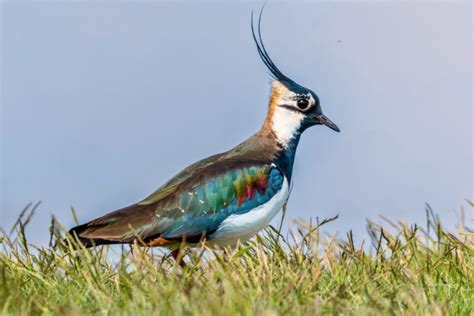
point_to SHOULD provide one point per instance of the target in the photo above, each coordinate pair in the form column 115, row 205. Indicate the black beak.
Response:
column 323, row 120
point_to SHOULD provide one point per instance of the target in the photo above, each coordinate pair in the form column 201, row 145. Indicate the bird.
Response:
column 229, row 197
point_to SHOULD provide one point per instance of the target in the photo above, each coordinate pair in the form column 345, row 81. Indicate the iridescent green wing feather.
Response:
column 192, row 204
column 199, row 210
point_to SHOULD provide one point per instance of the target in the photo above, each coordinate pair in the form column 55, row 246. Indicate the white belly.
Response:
column 244, row 226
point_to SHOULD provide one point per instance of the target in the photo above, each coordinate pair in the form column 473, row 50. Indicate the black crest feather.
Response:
column 274, row 70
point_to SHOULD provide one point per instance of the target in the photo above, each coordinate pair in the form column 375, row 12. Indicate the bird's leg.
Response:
column 180, row 261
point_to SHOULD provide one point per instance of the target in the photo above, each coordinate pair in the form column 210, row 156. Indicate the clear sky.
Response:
column 104, row 101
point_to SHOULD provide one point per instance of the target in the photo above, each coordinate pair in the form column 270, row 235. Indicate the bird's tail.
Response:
column 78, row 240
column 113, row 228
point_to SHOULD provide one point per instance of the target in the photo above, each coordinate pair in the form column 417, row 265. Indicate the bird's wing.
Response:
column 192, row 204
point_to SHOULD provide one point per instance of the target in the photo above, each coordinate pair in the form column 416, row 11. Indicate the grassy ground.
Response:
column 402, row 270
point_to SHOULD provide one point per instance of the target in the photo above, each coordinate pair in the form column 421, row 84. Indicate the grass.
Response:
column 402, row 270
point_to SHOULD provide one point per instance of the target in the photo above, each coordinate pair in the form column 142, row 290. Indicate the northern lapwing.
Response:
column 228, row 197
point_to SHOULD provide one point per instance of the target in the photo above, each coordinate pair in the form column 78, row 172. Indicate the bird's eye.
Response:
column 302, row 103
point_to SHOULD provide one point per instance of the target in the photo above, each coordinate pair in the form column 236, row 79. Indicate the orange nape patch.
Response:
column 160, row 241
column 278, row 90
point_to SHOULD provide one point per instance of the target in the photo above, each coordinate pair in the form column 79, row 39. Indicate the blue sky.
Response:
column 104, row 101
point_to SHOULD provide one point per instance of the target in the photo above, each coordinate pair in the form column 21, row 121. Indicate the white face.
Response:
column 288, row 114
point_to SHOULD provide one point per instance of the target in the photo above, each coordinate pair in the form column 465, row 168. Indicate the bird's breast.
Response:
column 241, row 227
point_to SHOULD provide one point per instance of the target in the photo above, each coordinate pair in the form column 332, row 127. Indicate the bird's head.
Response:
column 292, row 107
